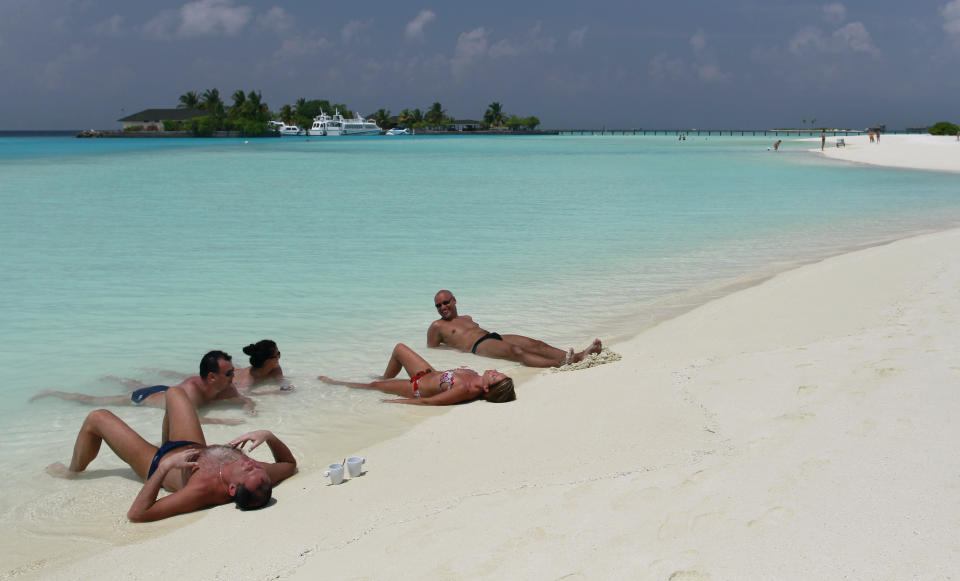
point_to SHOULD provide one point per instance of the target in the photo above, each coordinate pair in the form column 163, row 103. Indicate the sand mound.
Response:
column 592, row 360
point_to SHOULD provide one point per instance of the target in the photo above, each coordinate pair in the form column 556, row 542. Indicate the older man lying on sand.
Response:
column 198, row 475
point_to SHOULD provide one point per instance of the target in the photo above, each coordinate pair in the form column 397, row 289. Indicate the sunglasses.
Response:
column 443, row 304
column 229, row 373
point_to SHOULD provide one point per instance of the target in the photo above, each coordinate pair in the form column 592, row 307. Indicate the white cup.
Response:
column 355, row 465
column 335, row 473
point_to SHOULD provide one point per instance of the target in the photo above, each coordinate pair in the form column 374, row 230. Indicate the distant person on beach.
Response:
column 462, row 333
column 871, row 136
column 776, row 145
column 823, row 138
column 213, row 385
column 877, row 134
column 196, row 474
column 427, row 386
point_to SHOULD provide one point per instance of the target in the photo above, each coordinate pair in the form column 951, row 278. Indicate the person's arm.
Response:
column 146, row 507
column 231, row 395
column 284, row 465
column 433, row 335
column 449, row 397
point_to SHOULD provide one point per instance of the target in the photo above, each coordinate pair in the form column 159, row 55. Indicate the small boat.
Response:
column 398, row 131
column 284, row 129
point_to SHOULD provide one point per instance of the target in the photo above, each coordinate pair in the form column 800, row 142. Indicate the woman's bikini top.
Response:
column 447, row 377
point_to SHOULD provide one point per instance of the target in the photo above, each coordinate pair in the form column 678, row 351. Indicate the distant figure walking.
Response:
column 878, row 135
column 776, row 145
column 871, row 136
column 823, row 138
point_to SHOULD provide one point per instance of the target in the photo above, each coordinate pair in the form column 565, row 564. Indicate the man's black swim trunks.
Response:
column 484, row 338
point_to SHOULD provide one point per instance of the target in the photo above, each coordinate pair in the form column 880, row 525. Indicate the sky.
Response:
column 754, row 64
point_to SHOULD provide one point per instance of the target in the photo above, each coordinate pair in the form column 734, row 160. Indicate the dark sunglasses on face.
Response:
column 229, row 373
column 443, row 304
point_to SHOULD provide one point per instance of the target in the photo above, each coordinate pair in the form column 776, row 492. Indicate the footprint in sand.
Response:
column 689, row 575
column 806, row 389
column 773, row 517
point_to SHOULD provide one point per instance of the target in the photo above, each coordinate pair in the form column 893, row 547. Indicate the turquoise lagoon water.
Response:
column 130, row 257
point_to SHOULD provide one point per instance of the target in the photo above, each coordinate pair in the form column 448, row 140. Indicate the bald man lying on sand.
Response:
column 196, row 474
column 462, row 333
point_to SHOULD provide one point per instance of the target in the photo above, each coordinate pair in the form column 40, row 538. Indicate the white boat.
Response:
column 398, row 131
column 285, row 129
column 336, row 125
column 360, row 126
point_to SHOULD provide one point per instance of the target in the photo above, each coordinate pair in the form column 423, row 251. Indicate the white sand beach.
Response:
column 930, row 152
column 799, row 429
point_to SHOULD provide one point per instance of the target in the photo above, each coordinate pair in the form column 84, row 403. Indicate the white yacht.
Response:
column 336, row 125
column 360, row 126
column 285, row 129
column 324, row 124
column 398, row 131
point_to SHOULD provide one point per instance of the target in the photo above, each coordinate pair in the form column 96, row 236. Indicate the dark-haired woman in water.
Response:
column 264, row 367
column 427, row 386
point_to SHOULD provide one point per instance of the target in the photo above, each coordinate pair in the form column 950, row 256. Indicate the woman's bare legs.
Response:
column 406, row 358
column 400, row 387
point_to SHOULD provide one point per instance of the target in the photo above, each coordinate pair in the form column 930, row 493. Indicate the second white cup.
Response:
column 355, row 465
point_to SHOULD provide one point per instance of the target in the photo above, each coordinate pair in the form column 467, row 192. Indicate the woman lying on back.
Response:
column 427, row 386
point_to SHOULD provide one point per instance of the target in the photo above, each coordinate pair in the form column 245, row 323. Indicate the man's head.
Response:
column 446, row 305
column 249, row 484
column 216, row 369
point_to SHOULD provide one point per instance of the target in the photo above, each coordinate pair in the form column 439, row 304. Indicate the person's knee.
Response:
column 517, row 352
column 400, row 347
column 98, row 418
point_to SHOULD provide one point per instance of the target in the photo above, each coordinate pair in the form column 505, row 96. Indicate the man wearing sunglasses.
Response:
column 214, row 384
column 462, row 333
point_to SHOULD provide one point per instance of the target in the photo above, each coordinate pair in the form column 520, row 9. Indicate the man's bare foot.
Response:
column 595, row 347
column 58, row 470
column 41, row 393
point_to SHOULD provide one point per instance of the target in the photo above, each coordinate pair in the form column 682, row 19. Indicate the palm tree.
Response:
column 494, row 115
column 189, row 100
column 286, row 114
column 382, row 118
column 435, row 115
column 255, row 108
column 239, row 98
column 212, row 102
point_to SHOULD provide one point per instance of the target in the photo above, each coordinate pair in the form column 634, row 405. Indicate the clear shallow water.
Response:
column 126, row 257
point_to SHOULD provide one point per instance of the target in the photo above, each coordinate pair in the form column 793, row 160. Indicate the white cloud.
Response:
column 532, row 44
column 951, row 17
column 111, row 27
column 503, row 48
column 53, row 72
column 415, row 27
column 711, row 74
column 663, row 67
column 277, row 20
column 698, row 42
column 352, row 30
column 200, row 18
column 834, row 13
column 471, row 47
column 577, row 35
column 806, row 39
column 855, row 37
column 212, row 18
column 296, row 47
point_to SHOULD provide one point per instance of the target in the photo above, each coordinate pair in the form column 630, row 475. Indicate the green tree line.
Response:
column 249, row 115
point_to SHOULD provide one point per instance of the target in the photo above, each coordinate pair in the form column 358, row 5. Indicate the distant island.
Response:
column 206, row 115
